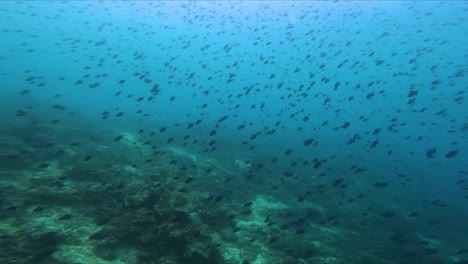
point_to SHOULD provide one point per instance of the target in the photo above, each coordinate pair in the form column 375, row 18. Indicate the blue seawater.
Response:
column 199, row 132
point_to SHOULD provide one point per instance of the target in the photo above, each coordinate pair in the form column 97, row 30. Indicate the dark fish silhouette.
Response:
column 431, row 152
column 451, row 154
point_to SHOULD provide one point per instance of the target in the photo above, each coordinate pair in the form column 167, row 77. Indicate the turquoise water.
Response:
column 233, row 132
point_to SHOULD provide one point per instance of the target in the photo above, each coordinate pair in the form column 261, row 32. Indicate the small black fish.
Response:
column 43, row 165
column 188, row 180
column 119, row 137
column 273, row 239
column 308, row 141
column 59, row 107
column 21, row 113
column 248, row 204
column 300, row 231
column 389, row 214
column 460, row 182
column 65, row 217
column 338, row 182
column 451, row 154
column 38, row 209
column 380, row 184
column 431, row 152
column 247, row 212
column 87, row 158
column 155, row 90
column 317, row 164
column 25, row 91
column 413, row 214
column 11, row 208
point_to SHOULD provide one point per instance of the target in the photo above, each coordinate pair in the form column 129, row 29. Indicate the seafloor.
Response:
column 130, row 203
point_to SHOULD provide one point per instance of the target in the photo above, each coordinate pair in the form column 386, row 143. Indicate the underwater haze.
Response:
column 219, row 132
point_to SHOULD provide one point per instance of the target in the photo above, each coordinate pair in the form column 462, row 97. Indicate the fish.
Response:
column 431, row 152
column 38, row 209
column 43, row 165
column 25, row 92
column 188, row 180
column 65, row 217
column 451, row 154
